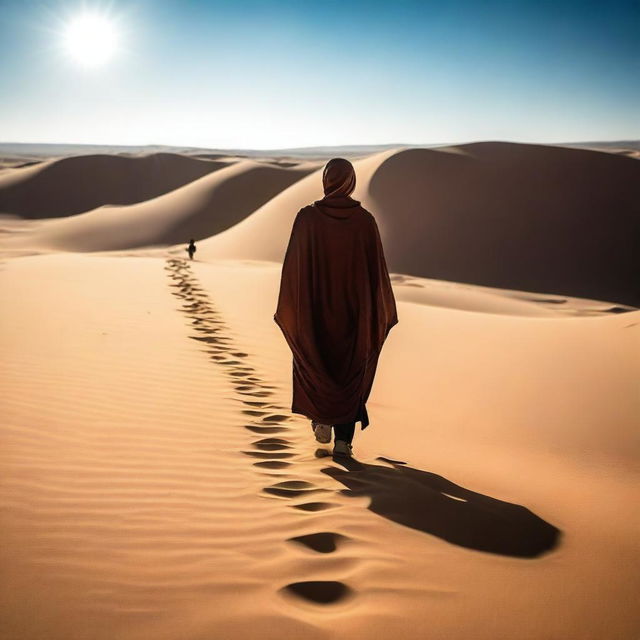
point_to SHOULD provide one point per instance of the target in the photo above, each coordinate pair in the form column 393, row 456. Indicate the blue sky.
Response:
column 298, row 73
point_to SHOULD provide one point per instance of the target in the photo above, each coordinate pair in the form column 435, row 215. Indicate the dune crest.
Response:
column 514, row 216
column 67, row 186
column 545, row 219
column 265, row 234
column 198, row 209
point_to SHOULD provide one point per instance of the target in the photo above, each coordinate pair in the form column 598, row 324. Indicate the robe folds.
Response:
column 335, row 309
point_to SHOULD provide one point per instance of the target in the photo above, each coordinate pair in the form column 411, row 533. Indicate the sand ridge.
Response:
column 41, row 190
column 202, row 207
column 535, row 218
column 510, row 216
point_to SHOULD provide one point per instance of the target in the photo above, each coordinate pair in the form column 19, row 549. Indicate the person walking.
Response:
column 335, row 308
column 191, row 249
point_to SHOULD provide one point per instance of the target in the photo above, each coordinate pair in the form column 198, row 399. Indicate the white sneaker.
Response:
column 342, row 448
column 321, row 431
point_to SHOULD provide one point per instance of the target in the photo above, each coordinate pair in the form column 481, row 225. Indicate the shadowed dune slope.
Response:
column 67, row 186
column 197, row 210
column 535, row 218
column 517, row 216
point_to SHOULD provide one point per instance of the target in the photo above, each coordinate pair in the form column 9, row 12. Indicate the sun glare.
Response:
column 91, row 39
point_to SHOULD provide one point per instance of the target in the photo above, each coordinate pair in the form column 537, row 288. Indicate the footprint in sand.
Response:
column 268, row 454
column 295, row 484
column 320, row 591
column 272, row 464
column 292, row 489
column 275, row 418
column 257, row 429
column 207, row 340
column 290, row 493
column 323, row 542
column 271, row 446
column 314, row 506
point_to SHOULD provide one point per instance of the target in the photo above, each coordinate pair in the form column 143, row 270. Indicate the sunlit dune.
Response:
column 202, row 207
column 453, row 213
column 66, row 186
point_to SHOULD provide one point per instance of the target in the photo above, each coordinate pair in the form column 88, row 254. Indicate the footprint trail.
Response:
column 273, row 452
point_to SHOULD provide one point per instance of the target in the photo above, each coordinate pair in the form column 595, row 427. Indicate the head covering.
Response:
column 338, row 178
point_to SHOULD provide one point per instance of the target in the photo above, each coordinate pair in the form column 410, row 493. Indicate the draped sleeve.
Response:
column 384, row 303
column 288, row 310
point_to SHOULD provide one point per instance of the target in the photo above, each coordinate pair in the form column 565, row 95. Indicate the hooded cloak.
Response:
column 335, row 306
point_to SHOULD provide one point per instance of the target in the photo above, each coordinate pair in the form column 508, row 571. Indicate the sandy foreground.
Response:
column 155, row 484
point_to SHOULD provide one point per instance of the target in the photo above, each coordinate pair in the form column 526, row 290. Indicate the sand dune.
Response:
column 156, row 485
column 198, row 209
column 264, row 235
column 524, row 217
column 67, row 186
column 513, row 216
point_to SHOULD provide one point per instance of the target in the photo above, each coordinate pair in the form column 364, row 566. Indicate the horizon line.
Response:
column 315, row 147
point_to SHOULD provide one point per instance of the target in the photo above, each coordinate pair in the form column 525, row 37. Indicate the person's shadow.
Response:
column 430, row 503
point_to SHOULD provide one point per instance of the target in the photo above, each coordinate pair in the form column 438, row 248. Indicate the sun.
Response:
column 91, row 39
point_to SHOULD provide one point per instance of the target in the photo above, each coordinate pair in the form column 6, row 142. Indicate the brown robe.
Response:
column 335, row 306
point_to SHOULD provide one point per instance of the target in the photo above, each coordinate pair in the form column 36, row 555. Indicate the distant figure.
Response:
column 191, row 249
column 335, row 308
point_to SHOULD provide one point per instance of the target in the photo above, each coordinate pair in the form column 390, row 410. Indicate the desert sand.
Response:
column 154, row 483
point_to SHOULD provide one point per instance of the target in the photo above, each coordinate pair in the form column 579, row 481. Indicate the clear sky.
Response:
column 260, row 74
